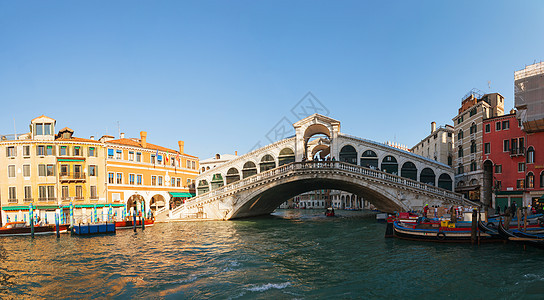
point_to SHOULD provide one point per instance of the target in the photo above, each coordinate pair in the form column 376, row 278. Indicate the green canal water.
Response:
column 289, row 255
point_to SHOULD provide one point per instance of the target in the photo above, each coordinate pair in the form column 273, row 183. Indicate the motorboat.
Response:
column 21, row 228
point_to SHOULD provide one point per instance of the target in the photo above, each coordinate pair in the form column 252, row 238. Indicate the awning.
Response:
column 70, row 159
column 510, row 193
column 25, row 207
column 181, row 195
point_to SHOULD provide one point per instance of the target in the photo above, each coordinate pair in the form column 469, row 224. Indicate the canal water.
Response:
column 293, row 254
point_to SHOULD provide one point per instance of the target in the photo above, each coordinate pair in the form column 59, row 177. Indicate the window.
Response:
column 50, row 170
column 26, row 170
column 40, row 150
column 39, row 129
column 153, row 158
column 178, row 182
column 111, row 178
column 153, row 180
column 460, row 169
column 79, row 192
column 92, row 170
column 119, row 178
column 530, row 180
column 473, row 147
column 473, row 128
column 26, row 151
column 77, row 171
column 42, row 193
column 65, row 193
column 449, row 134
column 542, row 179
column 506, row 146
column 138, row 156
column 159, row 159
column 51, row 193
column 450, row 160
column 160, row 180
column 77, row 151
column 460, row 152
column 49, row 150
column 130, row 178
column 64, row 170
column 41, row 170
column 460, row 135
column 94, row 194
column 11, row 151
column 110, row 153
column 505, row 125
column 460, row 120
column 63, row 150
column 28, row 193
column 531, row 155
column 12, row 196
column 131, row 155
column 520, row 183
column 487, row 148
column 498, row 126
column 92, row 151
column 473, row 112
column 11, row 171
column 118, row 154
column 487, row 128
column 473, row 166
column 521, row 167
column 139, row 179
column 498, row 169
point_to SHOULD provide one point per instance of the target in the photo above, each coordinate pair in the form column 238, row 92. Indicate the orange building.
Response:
column 139, row 172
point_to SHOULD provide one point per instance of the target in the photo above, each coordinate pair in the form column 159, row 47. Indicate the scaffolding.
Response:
column 529, row 96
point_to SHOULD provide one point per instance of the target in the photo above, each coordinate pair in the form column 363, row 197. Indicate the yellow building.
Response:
column 52, row 171
column 138, row 171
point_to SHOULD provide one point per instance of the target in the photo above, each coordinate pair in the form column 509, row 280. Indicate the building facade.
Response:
column 139, row 173
column 438, row 145
column 468, row 144
column 51, row 171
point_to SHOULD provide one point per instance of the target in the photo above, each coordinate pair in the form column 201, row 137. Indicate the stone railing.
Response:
column 322, row 165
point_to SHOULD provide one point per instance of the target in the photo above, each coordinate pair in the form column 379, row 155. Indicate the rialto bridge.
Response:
column 319, row 156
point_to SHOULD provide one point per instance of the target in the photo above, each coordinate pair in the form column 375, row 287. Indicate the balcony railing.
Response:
column 28, row 199
column 12, row 201
column 77, row 176
column 517, row 151
column 79, row 198
column 93, row 197
column 47, row 199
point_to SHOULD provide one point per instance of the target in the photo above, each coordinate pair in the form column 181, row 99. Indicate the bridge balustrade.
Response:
column 322, row 165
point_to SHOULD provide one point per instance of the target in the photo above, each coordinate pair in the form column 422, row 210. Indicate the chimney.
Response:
column 236, row 153
column 122, row 135
column 143, row 137
column 433, row 127
column 181, row 145
column 92, row 137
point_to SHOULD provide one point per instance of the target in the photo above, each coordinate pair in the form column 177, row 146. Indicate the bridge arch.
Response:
column 267, row 162
column 409, row 170
column 217, row 181
column 390, row 165
column 249, row 169
column 233, row 175
column 348, row 154
column 427, row 176
column 369, row 159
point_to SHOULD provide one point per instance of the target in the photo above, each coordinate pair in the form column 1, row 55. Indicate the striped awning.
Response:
column 181, row 194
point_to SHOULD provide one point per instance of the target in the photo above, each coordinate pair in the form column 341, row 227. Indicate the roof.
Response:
column 224, row 158
column 43, row 118
column 66, row 129
column 137, row 143
column 76, row 139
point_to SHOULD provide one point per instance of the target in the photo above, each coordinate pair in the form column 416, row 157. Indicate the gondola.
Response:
column 490, row 229
column 511, row 236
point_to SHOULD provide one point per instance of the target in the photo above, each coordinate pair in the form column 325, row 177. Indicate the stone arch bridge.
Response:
column 319, row 156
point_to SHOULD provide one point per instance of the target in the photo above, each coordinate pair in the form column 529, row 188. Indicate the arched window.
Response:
column 427, row 176
column 267, row 163
column 530, row 180
column 348, row 154
column 369, row 159
column 249, row 169
column 531, row 155
column 542, row 179
column 390, row 165
column 286, row 156
column 203, row 187
column 461, row 154
column 233, row 175
column 473, row 147
column 460, row 169
column 460, row 135
column 473, row 128
column 450, row 160
column 473, row 166
column 409, row 170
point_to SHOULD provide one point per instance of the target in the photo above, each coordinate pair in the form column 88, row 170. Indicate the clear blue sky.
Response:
column 220, row 74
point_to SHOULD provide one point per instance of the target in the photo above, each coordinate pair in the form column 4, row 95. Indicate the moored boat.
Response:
column 436, row 232
column 128, row 224
column 21, row 228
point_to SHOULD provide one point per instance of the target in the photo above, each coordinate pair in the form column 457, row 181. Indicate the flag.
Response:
column 156, row 155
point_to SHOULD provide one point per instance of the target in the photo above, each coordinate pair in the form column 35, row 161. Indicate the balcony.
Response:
column 28, row 199
column 72, row 177
column 517, row 151
column 93, row 198
column 12, row 201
